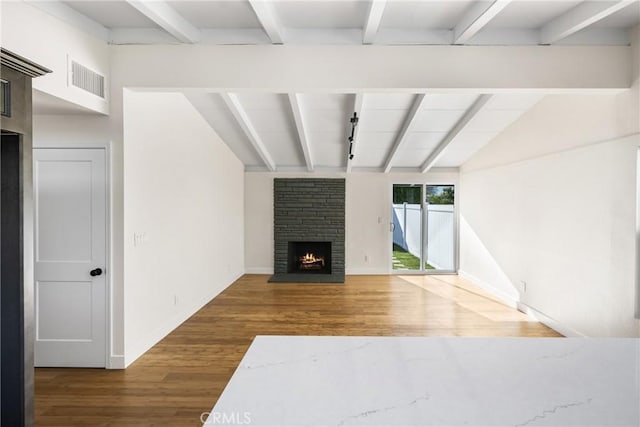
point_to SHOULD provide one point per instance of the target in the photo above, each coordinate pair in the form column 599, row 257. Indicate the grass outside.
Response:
column 406, row 259
column 409, row 261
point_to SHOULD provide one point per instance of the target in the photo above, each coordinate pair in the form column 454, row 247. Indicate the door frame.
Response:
column 637, row 298
column 456, row 225
column 106, row 146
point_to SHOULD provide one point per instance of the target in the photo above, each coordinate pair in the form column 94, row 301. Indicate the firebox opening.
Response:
column 310, row 257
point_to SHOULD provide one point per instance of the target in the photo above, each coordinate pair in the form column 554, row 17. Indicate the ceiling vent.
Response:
column 86, row 79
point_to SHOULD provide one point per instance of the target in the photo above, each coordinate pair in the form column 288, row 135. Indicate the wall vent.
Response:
column 85, row 79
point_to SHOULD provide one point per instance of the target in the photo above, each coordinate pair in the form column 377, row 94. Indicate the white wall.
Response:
column 567, row 223
column 183, row 191
column 368, row 215
column 50, row 42
column 552, row 202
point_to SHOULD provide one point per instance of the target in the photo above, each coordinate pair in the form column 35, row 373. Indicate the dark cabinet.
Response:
column 16, row 248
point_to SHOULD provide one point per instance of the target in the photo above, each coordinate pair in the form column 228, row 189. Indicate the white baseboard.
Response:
column 116, row 362
column 367, row 271
column 529, row 311
column 350, row 271
column 259, row 270
column 501, row 295
column 153, row 337
column 550, row 322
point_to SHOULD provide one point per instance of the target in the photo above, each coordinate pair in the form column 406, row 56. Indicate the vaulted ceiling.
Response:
column 395, row 131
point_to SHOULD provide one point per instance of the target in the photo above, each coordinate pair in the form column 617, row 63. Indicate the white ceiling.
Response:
column 303, row 131
column 46, row 104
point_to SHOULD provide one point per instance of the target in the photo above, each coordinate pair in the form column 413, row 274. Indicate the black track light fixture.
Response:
column 354, row 123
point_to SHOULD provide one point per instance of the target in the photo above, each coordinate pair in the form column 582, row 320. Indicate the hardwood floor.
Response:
column 184, row 374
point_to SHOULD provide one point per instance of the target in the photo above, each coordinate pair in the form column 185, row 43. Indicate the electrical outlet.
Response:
column 175, row 299
column 523, row 285
column 366, row 258
column 139, row 238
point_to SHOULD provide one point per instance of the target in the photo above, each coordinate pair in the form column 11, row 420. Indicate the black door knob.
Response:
column 95, row 272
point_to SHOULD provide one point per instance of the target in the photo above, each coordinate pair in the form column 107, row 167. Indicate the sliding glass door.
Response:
column 424, row 228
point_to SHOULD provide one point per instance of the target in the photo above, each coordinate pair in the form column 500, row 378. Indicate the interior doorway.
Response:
column 424, row 228
column 70, row 197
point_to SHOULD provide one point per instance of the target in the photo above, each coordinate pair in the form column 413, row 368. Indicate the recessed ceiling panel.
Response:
column 376, row 140
column 531, row 13
column 271, row 120
column 382, row 120
column 330, row 154
column 387, row 101
column 327, row 101
column 423, row 14
column 284, row 148
column 321, row 14
column 270, row 115
column 214, row 111
column 217, row 14
column 411, row 158
column 112, row 14
column 206, row 100
column 327, row 121
column 328, row 148
column 224, row 125
column 268, row 112
column 323, row 139
column 624, row 18
column 436, row 120
column 373, row 158
column 448, row 101
column 424, row 140
column 264, row 101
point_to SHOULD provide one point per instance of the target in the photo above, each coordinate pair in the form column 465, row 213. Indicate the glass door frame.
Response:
column 423, row 228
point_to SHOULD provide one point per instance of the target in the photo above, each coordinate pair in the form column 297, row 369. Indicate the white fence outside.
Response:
column 407, row 233
column 407, row 230
column 441, row 237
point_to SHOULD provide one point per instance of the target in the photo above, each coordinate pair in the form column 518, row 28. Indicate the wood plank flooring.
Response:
column 184, row 374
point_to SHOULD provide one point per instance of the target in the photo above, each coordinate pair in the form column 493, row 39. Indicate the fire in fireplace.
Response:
column 310, row 261
column 310, row 257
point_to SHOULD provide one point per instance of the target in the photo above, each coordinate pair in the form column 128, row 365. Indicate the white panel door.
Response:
column 70, row 242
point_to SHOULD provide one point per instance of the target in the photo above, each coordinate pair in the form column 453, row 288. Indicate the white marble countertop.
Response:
column 417, row 381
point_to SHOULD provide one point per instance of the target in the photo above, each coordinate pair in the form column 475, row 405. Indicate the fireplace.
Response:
column 309, row 257
column 308, row 230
